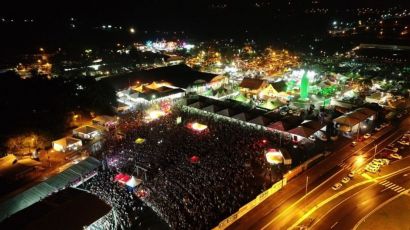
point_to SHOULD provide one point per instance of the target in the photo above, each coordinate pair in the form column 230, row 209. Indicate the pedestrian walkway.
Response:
column 392, row 186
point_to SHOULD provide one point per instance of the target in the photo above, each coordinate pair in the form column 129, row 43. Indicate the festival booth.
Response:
column 105, row 121
column 139, row 140
column 122, row 178
column 194, row 159
column 67, row 144
column 86, row 132
column 132, row 183
column 197, row 127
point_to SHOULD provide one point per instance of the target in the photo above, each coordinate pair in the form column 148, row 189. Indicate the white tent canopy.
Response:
column 133, row 182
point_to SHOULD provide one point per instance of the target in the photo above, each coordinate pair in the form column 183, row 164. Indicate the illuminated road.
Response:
column 346, row 211
column 286, row 208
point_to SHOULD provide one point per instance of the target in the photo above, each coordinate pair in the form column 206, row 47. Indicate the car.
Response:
column 354, row 143
column 394, row 149
column 321, row 136
column 337, row 186
column 382, row 161
column 345, row 180
column 404, row 142
column 367, row 136
column 372, row 170
column 312, row 138
column 395, row 156
column 378, row 128
column 385, row 124
column 351, row 174
column 373, row 165
column 360, row 139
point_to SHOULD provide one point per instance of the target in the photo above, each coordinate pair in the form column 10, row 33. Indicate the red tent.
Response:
column 122, row 178
column 194, row 159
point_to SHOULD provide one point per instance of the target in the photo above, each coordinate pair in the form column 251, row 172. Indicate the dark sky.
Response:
column 127, row 8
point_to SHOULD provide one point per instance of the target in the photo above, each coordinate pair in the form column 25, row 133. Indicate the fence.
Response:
column 249, row 206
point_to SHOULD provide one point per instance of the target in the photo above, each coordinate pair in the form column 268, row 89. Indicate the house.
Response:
column 306, row 129
column 67, row 144
column 357, row 122
column 87, row 132
column 252, row 86
column 105, row 121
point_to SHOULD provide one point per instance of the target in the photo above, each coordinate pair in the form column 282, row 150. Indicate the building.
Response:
column 87, row 132
column 105, row 121
column 67, row 144
column 308, row 129
column 357, row 122
column 67, row 209
column 75, row 173
column 145, row 94
column 252, row 86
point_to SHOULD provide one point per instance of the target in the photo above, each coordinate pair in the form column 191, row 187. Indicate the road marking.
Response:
column 365, row 175
column 374, row 210
column 312, row 210
column 334, row 225
column 401, row 190
column 302, row 198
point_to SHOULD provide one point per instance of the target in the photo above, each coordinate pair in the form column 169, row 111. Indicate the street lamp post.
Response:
column 375, row 151
column 306, row 187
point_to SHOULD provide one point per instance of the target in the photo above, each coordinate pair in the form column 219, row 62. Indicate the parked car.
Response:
column 351, row 174
column 360, row 139
column 404, row 142
column 367, row 136
column 337, row 186
column 354, row 143
column 378, row 128
column 345, row 180
column 372, row 168
column 395, row 156
column 321, row 136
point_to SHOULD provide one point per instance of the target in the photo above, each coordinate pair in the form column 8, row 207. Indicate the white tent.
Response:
column 133, row 182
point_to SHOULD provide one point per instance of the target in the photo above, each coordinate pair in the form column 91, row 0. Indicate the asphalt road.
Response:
column 286, row 207
column 347, row 213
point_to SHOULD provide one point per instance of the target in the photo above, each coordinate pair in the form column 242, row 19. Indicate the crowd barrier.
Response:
column 249, row 206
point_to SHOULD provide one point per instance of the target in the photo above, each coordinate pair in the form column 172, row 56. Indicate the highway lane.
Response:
column 321, row 190
column 345, row 215
column 275, row 210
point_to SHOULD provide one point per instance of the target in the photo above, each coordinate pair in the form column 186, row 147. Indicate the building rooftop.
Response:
column 67, row 209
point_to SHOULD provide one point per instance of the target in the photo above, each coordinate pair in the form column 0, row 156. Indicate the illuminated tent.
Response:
column 211, row 108
column 277, row 126
column 139, row 140
column 133, row 182
column 271, row 105
column 242, row 98
column 260, row 120
column 194, row 159
column 197, row 126
column 269, row 91
column 274, row 156
column 122, row 178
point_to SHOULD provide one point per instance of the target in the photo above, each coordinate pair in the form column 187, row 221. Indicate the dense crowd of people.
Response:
column 229, row 170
